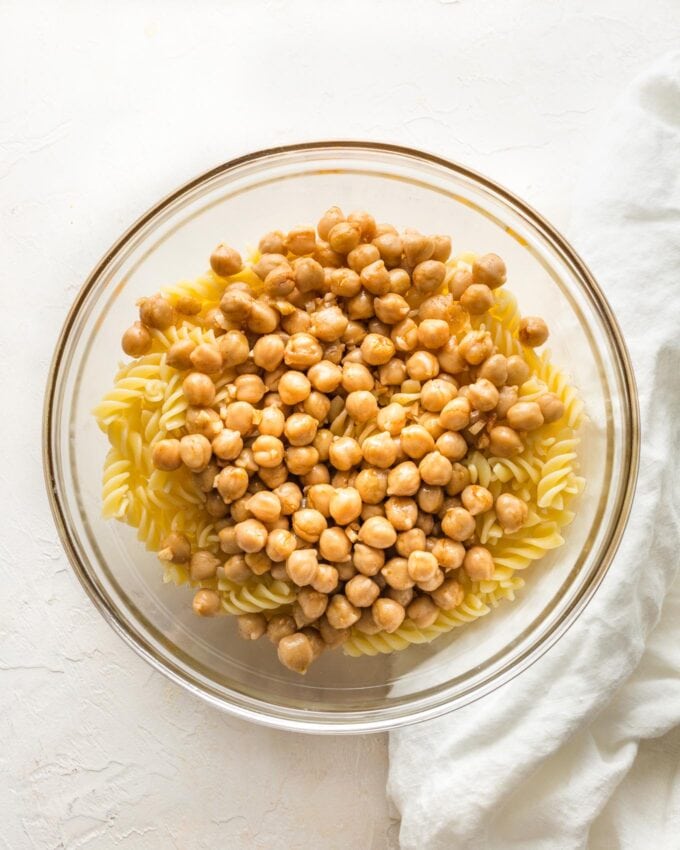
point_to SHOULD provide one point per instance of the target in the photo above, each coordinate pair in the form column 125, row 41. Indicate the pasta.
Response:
column 148, row 407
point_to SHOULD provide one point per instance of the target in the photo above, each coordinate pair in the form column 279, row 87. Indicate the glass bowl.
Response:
column 238, row 201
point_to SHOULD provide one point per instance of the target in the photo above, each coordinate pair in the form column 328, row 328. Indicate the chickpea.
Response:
column 360, row 306
column 322, row 443
column 430, row 498
column 280, row 281
column 246, row 460
column 205, row 479
column 551, row 407
column 279, row 627
column 507, row 396
column 236, row 305
column 494, row 369
column 227, row 445
column 433, row 583
column 251, row 535
column 377, row 349
column 166, row 455
column 442, row 248
column 525, row 416
column 203, row 421
column 533, row 331
column 435, row 469
column 362, row 256
column 401, row 512
column 344, row 505
column 325, row 376
column 400, row 281
column 392, row 373
column 436, row 394
column 267, row 451
column 483, row 395
column 344, row 236
column 355, row 377
column 371, row 485
column 195, row 451
column 512, row 512
column 375, row 278
column 136, row 340
column 365, row 222
column 273, row 242
column 317, row 405
column 476, row 346
column 265, row 506
column 199, row 389
column 345, row 282
column 428, row 276
column 455, row 415
column 300, row 429
column 207, row 603
column 294, row 387
column 341, row 614
column 392, row 418
column 448, row 595
column 504, row 442
column 312, row 603
column 332, row 637
column 175, row 548
column 278, row 572
column 232, row 348
column 268, row 352
column 361, row 591
column 259, row 563
column 239, row 509
column 379, row 450
column 301, row 459
column 403, row 479
column 416, row 247
column 250, row 388
column 327, row 258
column 272, row 422
column 391, row 308
column 366, row 624
column 225, row 261
column 251, row 626
column 389, row 248
column 361, row 405
column 334, row 545
column 296, row 322
column 308, row 524
column 301, row 240
column 478, row 564
column 451, row 359
column 179, row 354
column 452, row 446
column 207, row 358
column 203, row 565
column 263, row 319
column 422, row 366
column 378, row 533
column 458, row 524
column 410, row 541
column 235, row 568
column 395, row 572
column 216, row 321
column 416, row 441
column 344, row 453
column 302, row 350
column 309, row 275
column 156, row 312
column 227, row 538
column 326, row 579
column 477, row 299
column 449, row 553
column 372, row 510
column 489, row 269
column 280, row 544
column 422, row 566
column 476, row 500
column 518, row 370
column 367, row 559
column 318, row 474
column 422, row 612
column 302, row 566
column 290, row 496
column 328, row 220
column 388, row 614
column 239, row 417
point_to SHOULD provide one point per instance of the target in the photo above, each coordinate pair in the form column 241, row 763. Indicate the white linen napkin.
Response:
column 562, row 757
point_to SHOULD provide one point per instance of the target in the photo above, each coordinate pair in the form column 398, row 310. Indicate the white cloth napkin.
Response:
column 564, row 756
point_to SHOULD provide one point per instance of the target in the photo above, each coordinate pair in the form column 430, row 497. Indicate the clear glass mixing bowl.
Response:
column 237, row 202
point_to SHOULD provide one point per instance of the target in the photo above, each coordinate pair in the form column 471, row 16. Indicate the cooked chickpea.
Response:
column 507, row 396
column 422, row 566
column 136, row 340
column 458, row 524
column 309, row 275
column 435, row 469
column 317, row 405
column 365, row 222
column 489, row 269
column 280, row 544
column 449, row 553
column 403, row 479
column 179, row 354
column 389, row 247
column 294, row 387
column 478, row 564
column 422, row 366
column 355, row 377
column 290, row 496
column 388, row 614
column 279, row 627
column 377, row 349
column 199, row 389
column 401, row 512
column 344, row 505
column 476, row 346
column 239, row 417
column 429, row 275
column 235, row 568
column 295, row 652
column 262, row 319
column 206, row 358
column 344, row 237
column 280, row 281
column 300, row 429
column 379, row 450
column 375, row 278
column 392, row 373
column 325, row 376
column 250, row 388
column 334, row 545
column 205, row 479
column 525, row 416
column 236, row 304
column 251, row 535
column 452, row 446
column 203, row 565
column 361, row 405
column 264, row 506
column 327, row 258
column 362, row 256
column 246, row 460
column 483, row 395
column 400, row 280
column 378, row 533
column 430, row 498
column 308, row 524
column 227, row 538
column 448, row 595
column 410, row 541
column 227, row 445
column 225, row 261
column 296, row 322
column 272, row 422
column 504, row 442
column 156, row 312
column 251, row 626
column 422, row 612
column 416, row 247
column 268, row 352
column 267, row 451
column 367, row 559
column 195, row 451
column 175, row 547
column 392, row 418
column 455, row 414
column 341, row 614
column 328, row 220
column 396, row 574
column 518, row 370
column 512, row 512
column 433, row 583
column 404, row 335
column 167, row 455
column 451, row 359
column 442, row 248
column 361, row 591
column 495, row 369
column 322, row 443
column 551, row 407
column 344, row 453
column 326, row 579
column 207, row 603
column 301, row 240
column 533, row 331
column 476, row 499
column 416, row 441
column 345, row 283
column 302, row 350
column 477, row 299
column 273, row 242
column 232, row 347
column 318, row 474
column 391, row 308
column 302, row 566
column 203, row 421
column 371, row 485
column 301, row 459
column 312, row 602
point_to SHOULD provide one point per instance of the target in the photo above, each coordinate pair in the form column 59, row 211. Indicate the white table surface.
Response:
column 106, row 107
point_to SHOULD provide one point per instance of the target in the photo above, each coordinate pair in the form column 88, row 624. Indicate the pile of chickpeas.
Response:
column 355, row 386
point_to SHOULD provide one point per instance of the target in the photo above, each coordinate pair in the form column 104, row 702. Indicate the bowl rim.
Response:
column 372, row 720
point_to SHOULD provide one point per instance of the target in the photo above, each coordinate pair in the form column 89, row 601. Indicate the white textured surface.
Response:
column 102, row 112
